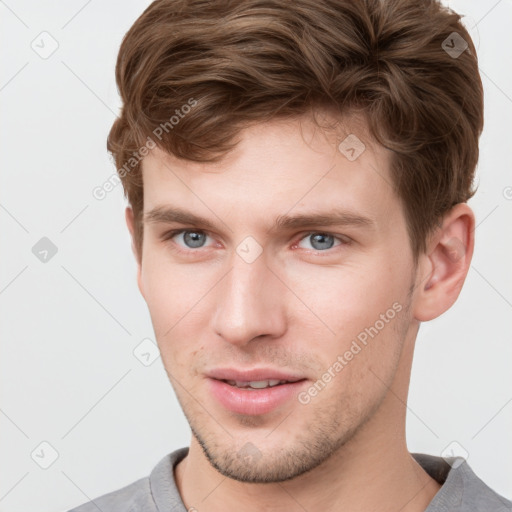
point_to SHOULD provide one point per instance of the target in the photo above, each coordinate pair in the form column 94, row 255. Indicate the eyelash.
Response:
column 343, row 241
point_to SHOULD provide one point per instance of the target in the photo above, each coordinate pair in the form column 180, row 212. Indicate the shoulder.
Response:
column 135, row 496
column 153, row 493
column 478, row 496
column 462, row 490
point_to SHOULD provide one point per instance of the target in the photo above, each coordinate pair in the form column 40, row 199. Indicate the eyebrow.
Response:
column 336, row 217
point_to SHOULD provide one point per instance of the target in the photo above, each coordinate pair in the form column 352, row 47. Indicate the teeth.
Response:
column 256, row 384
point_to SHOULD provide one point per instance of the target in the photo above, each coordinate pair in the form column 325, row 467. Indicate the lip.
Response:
column 253, row 401
column 253, row 375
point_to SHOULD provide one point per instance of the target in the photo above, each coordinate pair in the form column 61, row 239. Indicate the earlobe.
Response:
column 446, row 263
column 128, row 214
column 139, row 281
column 130, row 222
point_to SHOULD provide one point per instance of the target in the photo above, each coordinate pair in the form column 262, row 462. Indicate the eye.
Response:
column 321, row 241
column 187, row 240
column 191, row 239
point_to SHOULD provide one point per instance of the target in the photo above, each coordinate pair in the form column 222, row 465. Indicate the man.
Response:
column 297, row 175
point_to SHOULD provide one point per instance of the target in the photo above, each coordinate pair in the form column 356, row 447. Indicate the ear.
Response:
column 130, row 222
column 444, row 266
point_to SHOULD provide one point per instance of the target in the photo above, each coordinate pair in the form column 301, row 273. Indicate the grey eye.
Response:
column 319, row 241
column 194, row 239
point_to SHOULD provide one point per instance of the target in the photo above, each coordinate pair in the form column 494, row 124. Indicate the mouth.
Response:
column 259, row 384
column 255, row 397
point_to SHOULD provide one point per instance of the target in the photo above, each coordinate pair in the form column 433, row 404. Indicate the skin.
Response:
column 297, row 307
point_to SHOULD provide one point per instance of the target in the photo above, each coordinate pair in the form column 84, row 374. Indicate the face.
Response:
column 254, row 284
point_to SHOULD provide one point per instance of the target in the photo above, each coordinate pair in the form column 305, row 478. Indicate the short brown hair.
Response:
column 243, row 61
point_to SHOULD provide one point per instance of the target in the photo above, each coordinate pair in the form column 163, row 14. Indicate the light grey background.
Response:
column 70, row 325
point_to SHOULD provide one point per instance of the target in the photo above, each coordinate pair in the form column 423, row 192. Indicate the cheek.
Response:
column 345, row 298
column 174, row 296
column 351, row 312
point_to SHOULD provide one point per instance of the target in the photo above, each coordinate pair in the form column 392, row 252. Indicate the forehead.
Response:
column 278, row 166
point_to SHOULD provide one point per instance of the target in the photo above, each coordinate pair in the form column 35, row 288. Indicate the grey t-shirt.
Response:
column 461, row 491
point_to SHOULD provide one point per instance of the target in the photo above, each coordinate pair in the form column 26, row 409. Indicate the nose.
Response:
column 249, row 302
